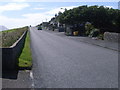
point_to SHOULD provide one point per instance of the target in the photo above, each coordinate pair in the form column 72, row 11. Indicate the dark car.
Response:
column 39, row 28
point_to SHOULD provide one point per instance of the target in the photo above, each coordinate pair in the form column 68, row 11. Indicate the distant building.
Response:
column 119, row 5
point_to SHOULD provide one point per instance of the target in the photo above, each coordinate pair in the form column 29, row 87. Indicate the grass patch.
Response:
column 25, row 59
column 9, row 37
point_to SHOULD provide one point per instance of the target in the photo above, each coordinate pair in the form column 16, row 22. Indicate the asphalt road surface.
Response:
column 60, row 62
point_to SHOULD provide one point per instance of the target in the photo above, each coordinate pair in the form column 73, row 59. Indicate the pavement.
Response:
column 61, row 61
column 89, row 40
column 16, row 79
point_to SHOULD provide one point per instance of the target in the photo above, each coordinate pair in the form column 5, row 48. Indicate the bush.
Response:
column 101, row 36
column 88, row 28
column 94, row 33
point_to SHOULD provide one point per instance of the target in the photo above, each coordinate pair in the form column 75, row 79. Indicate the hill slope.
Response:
column 2, row 28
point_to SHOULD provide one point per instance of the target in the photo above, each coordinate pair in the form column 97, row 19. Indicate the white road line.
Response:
column 31, row 75
column 32, row 78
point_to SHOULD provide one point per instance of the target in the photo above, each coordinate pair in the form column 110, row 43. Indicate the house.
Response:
column 44, row 25
column 79, row 28
column 56, row 25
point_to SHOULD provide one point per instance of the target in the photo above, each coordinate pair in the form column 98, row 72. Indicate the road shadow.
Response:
column 10, row 74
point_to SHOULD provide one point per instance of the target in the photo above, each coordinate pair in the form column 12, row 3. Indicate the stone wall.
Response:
column 10, row 55
column 112, row 37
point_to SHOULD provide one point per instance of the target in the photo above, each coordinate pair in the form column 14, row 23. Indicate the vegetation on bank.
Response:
column 103, row 18
column 25, row 59
column 9, row 37
column 90, row 21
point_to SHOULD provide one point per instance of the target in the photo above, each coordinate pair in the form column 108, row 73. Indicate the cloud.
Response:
column 38, row 8
column 109, row 6
column 61, row 9
column 13, row 6
column 18, row 0
column 59, row 0
column 37, row 17
column 30, row 18
column 12, row 22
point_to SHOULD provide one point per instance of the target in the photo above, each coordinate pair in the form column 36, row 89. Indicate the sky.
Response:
column 19, row 13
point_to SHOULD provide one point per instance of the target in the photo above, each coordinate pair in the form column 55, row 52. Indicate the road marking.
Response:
column 32, row 78
column 31, row 75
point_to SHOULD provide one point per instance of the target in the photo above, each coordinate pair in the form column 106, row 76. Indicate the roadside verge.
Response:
column 25, row 59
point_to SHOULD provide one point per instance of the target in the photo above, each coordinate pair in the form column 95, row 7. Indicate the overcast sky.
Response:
column 18, row 13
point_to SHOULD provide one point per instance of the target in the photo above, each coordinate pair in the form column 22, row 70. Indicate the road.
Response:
column 60, row 62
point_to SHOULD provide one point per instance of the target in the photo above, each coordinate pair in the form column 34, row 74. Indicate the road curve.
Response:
column 60, row 62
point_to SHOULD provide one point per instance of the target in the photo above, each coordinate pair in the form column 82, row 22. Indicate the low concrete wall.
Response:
column 112, row 37
column 112, row 40
column 10, row 55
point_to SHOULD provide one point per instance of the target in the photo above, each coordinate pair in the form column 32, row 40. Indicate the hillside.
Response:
column 2, row 28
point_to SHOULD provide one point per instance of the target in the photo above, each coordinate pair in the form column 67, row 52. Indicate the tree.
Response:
column 101, row 17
